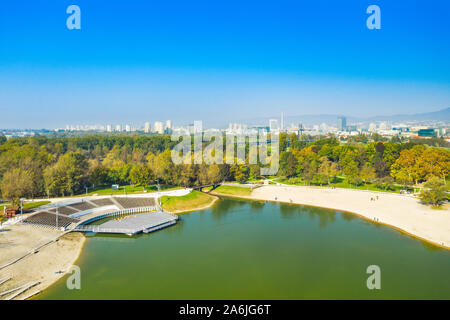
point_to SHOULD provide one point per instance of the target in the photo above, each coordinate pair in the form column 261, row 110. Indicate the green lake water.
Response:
column 254, row 250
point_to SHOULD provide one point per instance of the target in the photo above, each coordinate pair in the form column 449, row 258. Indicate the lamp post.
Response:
column 57, row 217
column 159, row 189
column 21, row 205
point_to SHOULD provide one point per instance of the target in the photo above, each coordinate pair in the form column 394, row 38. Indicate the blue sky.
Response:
column 219, row 61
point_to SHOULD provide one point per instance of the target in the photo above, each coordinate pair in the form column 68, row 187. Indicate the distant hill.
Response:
column 331, row 119
column 443, row 115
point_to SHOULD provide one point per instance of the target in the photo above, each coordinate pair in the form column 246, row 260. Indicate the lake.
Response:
column 260, row 250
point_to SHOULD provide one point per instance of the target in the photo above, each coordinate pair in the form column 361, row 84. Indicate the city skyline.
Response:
column 159, row 62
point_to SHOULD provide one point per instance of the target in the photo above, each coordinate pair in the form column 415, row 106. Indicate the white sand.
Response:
column 403, row 212
column 44, row 265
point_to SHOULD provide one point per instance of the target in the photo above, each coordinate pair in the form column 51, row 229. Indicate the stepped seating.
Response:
column 102, row 202
column 66, row 211
column 48, row 219
column 127, row 203
column 82, row 206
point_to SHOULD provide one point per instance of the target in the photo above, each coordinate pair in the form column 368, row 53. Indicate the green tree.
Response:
column 434, row 191
column 141, row 175
column 288, row 164
column 328, row 169
column 367, row 173
column 15, row 184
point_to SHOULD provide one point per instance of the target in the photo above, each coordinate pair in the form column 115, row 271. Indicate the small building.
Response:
column 12, row 211
column 429, row 133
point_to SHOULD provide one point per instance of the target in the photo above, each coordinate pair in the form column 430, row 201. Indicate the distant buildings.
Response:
column 158, row 127
column 147, row 127
column 273, row 125
column 428, row 133
column 341, row 129
column 342, row 123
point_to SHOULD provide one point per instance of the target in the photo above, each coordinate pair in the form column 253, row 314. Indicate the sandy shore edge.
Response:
column 400, row 212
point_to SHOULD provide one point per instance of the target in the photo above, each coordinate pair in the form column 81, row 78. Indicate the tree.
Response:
column 404, row 168
column 99, row 175
column 352, row 173
column 16, row 183
column 214, row 174
column 67, row 175
column 367, row 173
column 288, row 164
column 141, row 175
column 434, row 163
column 434, row 192
column 328, row 169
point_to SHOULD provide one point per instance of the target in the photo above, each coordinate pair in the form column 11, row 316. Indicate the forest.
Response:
column 60, row 166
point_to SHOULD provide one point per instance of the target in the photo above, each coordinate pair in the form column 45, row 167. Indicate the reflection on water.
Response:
column 242, row 249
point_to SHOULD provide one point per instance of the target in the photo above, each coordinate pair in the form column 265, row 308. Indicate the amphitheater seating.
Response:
column 82, row 206
column 66, row 211
column 127, row 203
column 102, row 202
column 48, row 219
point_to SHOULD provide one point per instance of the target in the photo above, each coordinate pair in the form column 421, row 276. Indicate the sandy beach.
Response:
column 45, row 266
column 402, row 212
column 55, row 258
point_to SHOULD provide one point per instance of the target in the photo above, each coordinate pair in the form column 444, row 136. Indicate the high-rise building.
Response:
column 198, row 127
column 108, row 128
column 273, row 125
column 282, row 122
column 169, row 124
column 159, row 127
column 118, row 127
column 127, row 128
column 147, row 127
column 342, row 123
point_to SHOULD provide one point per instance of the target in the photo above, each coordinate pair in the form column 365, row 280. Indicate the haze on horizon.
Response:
column 219, row 62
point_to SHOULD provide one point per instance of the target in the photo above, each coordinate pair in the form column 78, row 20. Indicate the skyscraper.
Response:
column 342, row 123
column 273, row 124
column 147, row 127
column 159, row 127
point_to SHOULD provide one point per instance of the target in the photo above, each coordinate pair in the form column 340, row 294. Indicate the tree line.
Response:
column 61, row 166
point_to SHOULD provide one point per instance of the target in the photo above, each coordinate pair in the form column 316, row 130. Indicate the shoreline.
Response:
column 60, row 255
column 196, row 209
column 49, row 263
column 72, row 263
column 70, row 259
column 436, row 232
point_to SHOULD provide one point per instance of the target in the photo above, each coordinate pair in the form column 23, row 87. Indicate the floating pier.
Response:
column 132, row 224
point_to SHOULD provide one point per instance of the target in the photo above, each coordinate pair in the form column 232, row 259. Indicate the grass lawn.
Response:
column 26, row 205
column 340, row 183
column 128, row 189
column 189, row 202
column 233, row 191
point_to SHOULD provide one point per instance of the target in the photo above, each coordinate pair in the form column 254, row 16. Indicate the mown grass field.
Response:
column 107, row 190
column 341, row 183
column 189, row 202
column 233, row 191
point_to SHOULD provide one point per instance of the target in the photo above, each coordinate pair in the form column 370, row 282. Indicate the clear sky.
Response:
column 218, row 61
